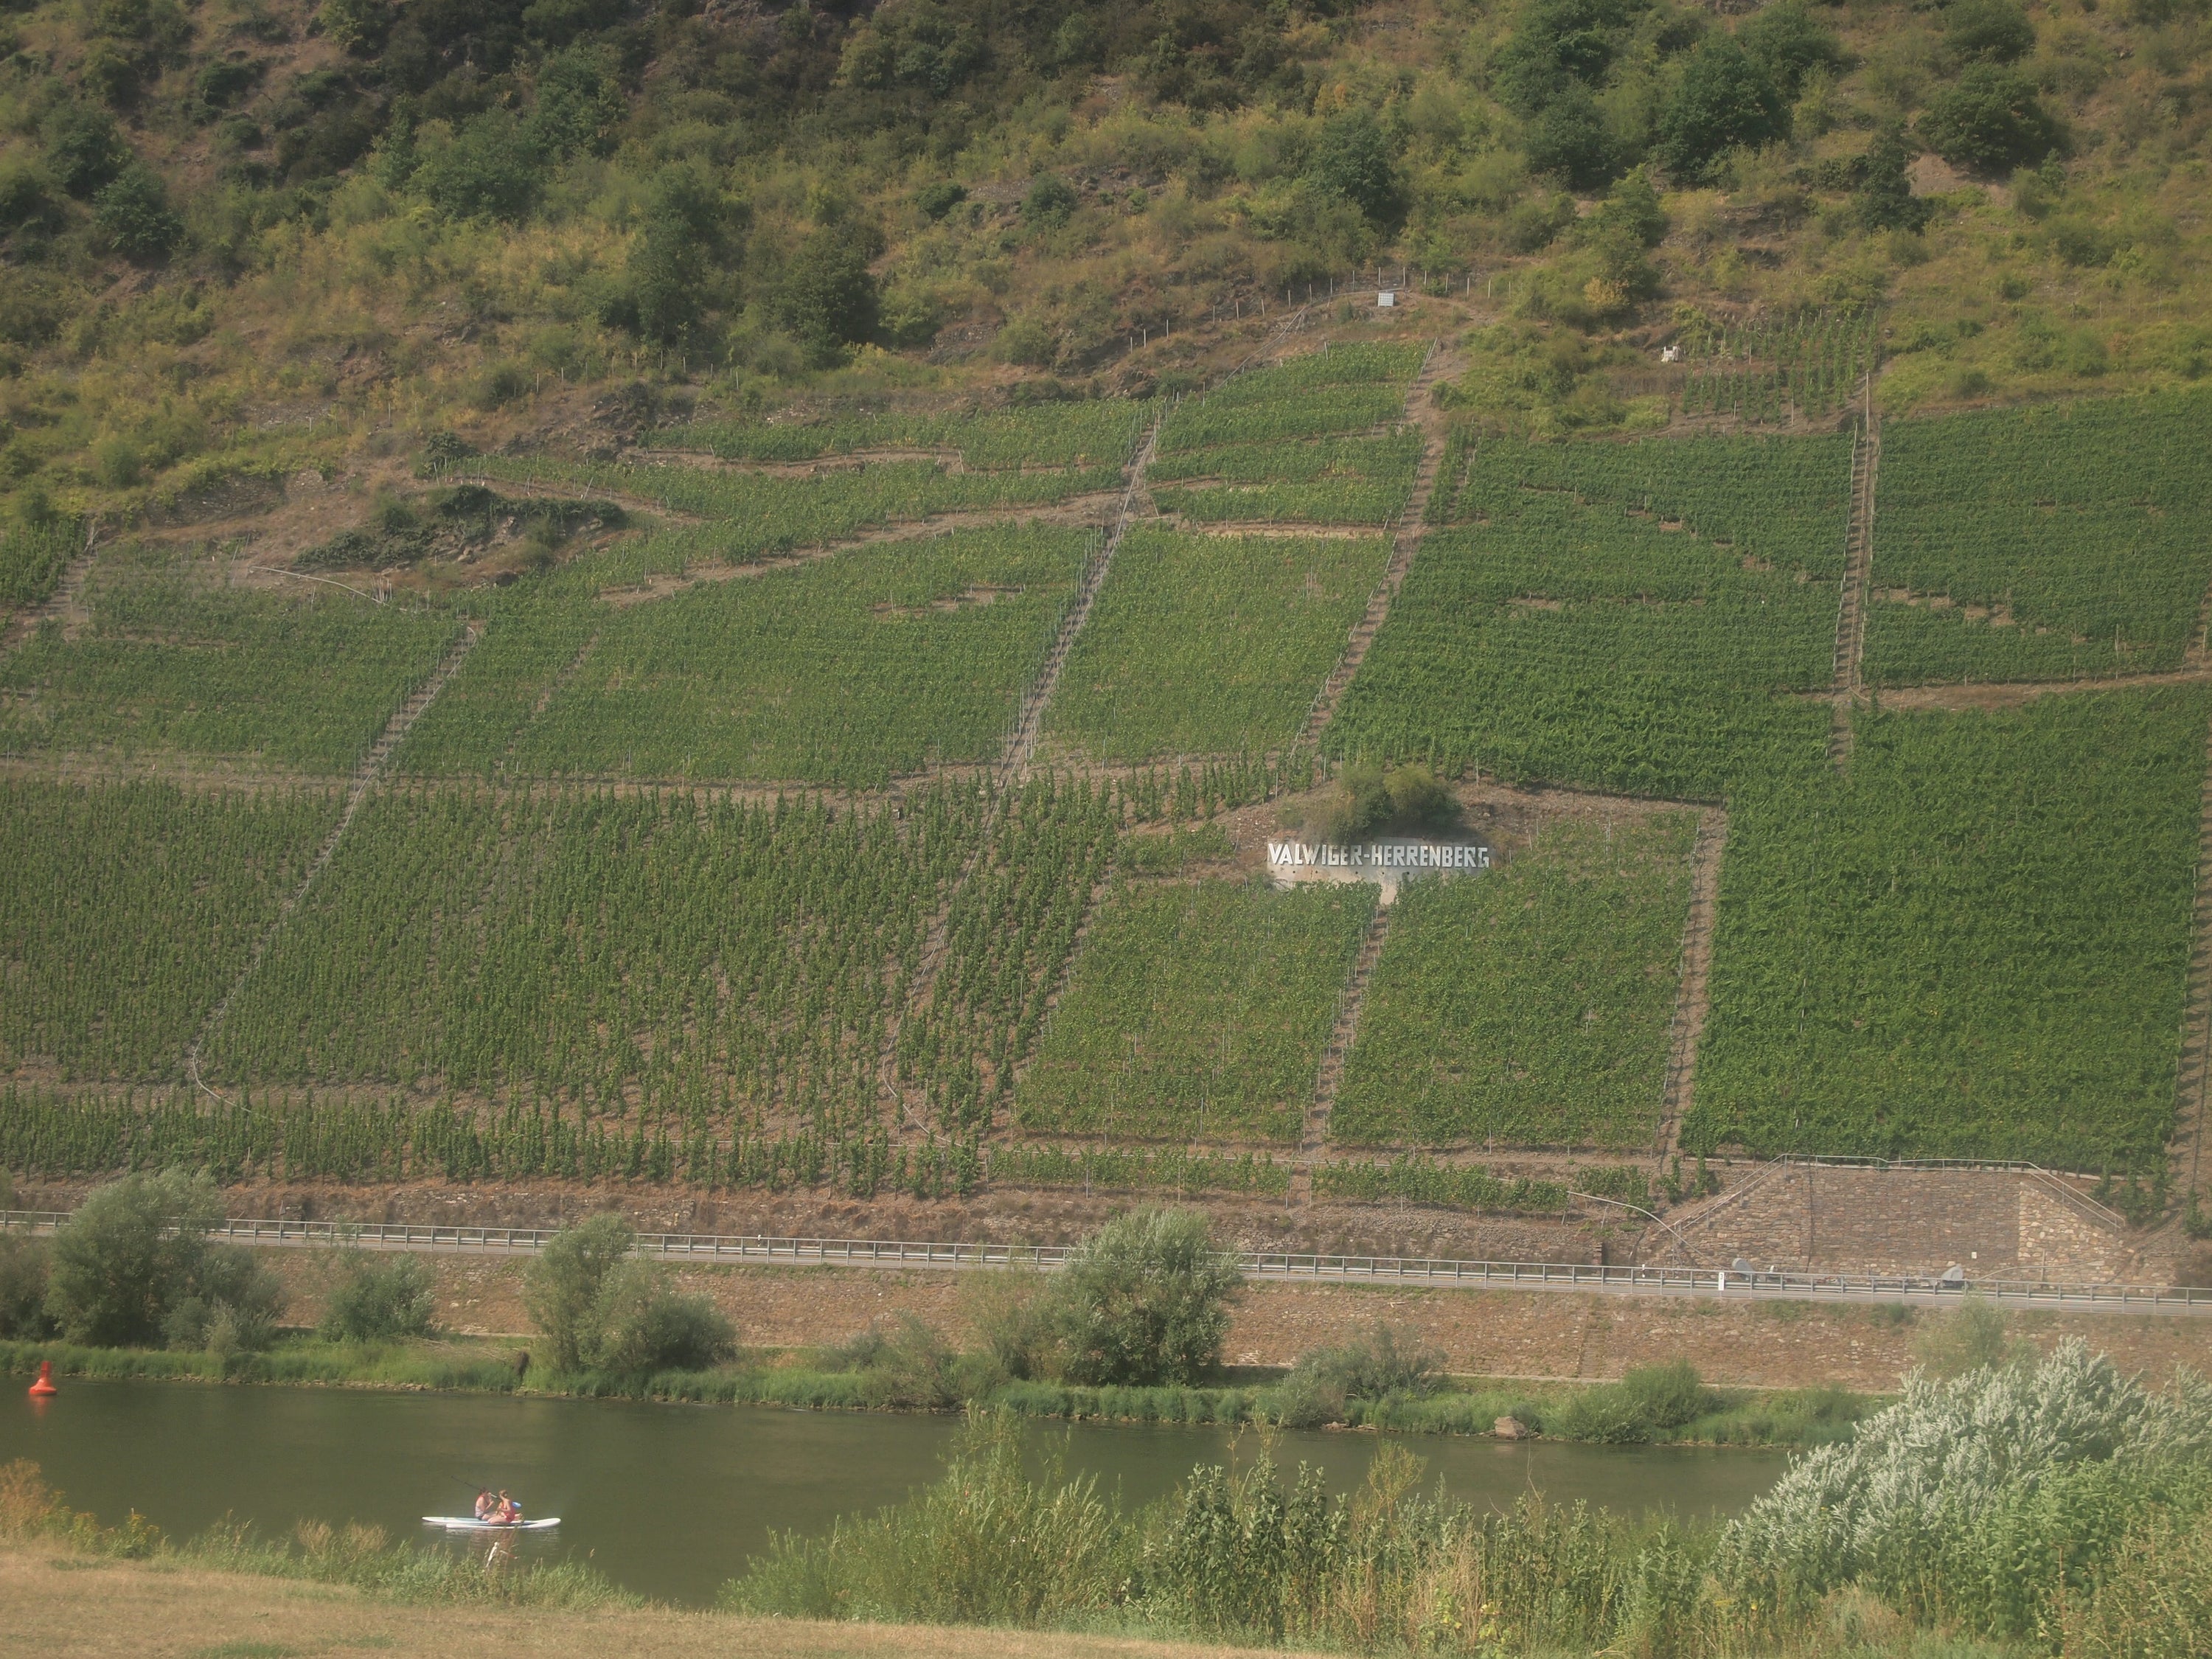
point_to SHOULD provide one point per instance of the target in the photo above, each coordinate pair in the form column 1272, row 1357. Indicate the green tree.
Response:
column 233, row 1303
column 83, row 146
column 133, row 1251
column 1992, row 30
column 1885, row 197
column 1725, row 99
column 1973, row 1336
column 1354, row 160
column 1786, row 40
column 1050, row 202
column 1632, row 209
column 669, row 263
column 828, row 299
column 580, row 104
column 22, row 1287
column 490, row 169
column 133, row 216
column 1570, row 139
column 378, row 1297
column 561, row 1289
column 1990, row 120
column 1146, row 1300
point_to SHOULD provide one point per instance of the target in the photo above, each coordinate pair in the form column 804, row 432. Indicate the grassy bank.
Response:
column 1611, row 1412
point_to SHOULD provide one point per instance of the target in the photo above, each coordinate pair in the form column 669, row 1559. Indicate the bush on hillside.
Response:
column 1725, row 100
column 1973, row 1336
column 1146, row 1300
column 232, row 1306
column 1367, row 798
column 1990, row 121
column 377, row 1298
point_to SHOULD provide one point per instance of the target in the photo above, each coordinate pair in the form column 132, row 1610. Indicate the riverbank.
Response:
column 65, row 1605
column 1601, row 1412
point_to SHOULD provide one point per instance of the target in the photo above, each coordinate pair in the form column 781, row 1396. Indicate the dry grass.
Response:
column 60, row 1606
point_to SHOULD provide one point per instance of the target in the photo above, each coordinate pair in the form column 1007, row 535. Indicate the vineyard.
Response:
column 1616, row 615
column 1803, row 368
column 848, row 670
column 549, row 944
column 1197, row 1010
column 2043, row 544
column 1210, row 644
column 128, row 911
column 1974, row 943
column 1529, row 1006
column 31, row 560
column 1099, row 432
column 176, row 659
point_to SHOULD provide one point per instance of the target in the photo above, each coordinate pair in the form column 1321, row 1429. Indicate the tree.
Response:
column 1632, row 209
column 233, row 1303
column 1886, row 201
column 84, row 146
column 1725, row 100
column 133, row 216
column 1146, row 1300
column 668, row 267
column 1572, row 140
column 1353, row 159
column 379, row 1298
column 132, row 1252
column 1992, row 30
column 561, row 1289
column 22, row 1287
column 1555, row 44
column 1789, row 44
column 488, row 170
column 828, row 299
column 580, row 104
column 1989, row 120
column 1973, row 1336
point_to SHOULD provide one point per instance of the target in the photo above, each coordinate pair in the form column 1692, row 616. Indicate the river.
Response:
column 669, row 1500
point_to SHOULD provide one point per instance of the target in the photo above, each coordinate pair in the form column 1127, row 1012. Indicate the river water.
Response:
column 669, row 1500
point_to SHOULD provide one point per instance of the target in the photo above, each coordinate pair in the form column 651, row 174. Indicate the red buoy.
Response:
column 45, row 1385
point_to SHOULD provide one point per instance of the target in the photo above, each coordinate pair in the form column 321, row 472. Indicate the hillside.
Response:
column 724, row 600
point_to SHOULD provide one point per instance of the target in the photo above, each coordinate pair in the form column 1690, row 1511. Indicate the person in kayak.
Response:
column 509, row 1513
column 485, row 1504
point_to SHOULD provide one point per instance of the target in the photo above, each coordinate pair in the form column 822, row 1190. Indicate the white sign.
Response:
column 1388, row 862
column 1386, row 299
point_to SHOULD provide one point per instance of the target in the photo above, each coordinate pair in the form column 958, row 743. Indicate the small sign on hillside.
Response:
column 1388, row 862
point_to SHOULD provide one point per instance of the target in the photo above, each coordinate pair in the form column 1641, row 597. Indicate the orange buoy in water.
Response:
column 45, row 1385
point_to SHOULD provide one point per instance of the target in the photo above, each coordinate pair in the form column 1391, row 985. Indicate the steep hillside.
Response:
column 731, row 598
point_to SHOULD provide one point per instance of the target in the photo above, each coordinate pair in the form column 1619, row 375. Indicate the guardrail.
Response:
column 1259, row 1265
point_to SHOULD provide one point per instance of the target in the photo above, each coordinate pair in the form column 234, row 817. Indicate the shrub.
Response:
column 1354, row 160
column 600, row 1309
column 1786, row 40
column 644, row 1324
column 1146, row 1300
column 380, row 1298
column 133, row 216
column 489, row 170
column 131, row 1252
column 1572, row 140
column 1990, row 120
column 940, row 198
column 1051, row 201
column 84, row 146
column 1973, row 1336
column 1643, row 1405
column 1885, row 197
column 1384, row 1363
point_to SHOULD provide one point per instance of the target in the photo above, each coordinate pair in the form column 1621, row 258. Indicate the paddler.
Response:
column 485, row 1504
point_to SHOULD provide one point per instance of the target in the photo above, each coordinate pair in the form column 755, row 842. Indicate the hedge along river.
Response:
column 669, row 1500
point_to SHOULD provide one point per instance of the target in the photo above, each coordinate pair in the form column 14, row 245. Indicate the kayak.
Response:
column 470, row 1523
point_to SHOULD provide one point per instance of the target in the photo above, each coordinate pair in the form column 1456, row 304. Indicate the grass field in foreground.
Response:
column 1975, row 944
column 1196, row 1010
column 1211, row 644
column 1529, row 1005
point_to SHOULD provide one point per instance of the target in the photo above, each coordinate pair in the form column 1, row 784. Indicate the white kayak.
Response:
column 470, row 1523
